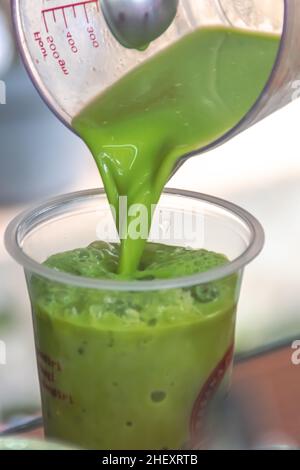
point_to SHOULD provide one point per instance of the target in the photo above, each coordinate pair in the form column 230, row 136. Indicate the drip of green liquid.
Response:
column 179, row 101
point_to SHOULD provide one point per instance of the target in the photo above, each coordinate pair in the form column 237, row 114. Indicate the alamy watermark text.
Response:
column 134, row 222
column 296, row 353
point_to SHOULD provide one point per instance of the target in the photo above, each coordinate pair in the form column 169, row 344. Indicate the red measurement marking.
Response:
column 86, row 15
column 45, row 21
column 65, row 19
column 62, row 8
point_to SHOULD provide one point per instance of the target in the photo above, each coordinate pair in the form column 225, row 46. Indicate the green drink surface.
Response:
column 182, row 99
column 103, row 309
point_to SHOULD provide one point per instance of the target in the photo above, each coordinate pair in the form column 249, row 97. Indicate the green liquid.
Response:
column 123, row 370
column 179, row 101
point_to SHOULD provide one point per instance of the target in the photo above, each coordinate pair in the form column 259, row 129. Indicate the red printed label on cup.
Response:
column 208, row 391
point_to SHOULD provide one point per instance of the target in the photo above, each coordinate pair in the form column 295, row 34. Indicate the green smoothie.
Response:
column 134, row 370
column 123, row 370
column 181, row 100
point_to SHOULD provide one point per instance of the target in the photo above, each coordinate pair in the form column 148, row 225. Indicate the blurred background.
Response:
column 259, row 170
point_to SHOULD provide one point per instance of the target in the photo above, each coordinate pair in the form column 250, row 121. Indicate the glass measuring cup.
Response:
column 72, row 56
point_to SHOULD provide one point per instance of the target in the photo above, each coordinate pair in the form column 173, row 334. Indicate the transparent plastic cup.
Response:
column 133, row 365
column 72, row 56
